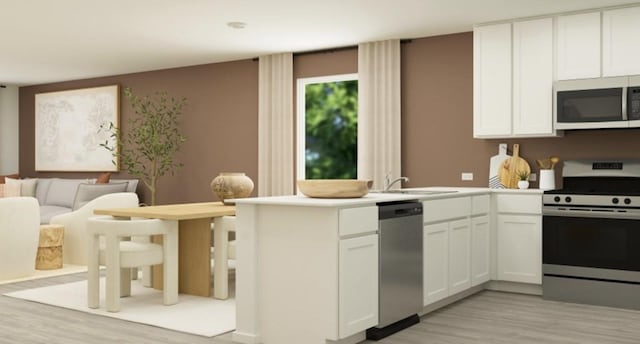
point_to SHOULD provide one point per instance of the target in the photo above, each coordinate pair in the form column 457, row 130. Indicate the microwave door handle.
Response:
column 624, row 104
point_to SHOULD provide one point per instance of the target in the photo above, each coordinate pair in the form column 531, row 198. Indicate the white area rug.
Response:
column 65, row 270
column 192, row 314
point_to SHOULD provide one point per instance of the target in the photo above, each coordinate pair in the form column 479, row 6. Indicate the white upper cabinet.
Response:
column 578, row 46
column 513, row 79
column 492, row 80
column 620, row 48
column 533, row 77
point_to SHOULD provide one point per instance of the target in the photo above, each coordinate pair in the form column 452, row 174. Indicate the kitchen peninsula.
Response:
column 308, row 268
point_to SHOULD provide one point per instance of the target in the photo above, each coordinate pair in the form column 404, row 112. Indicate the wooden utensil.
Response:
column 554, row 161
column 509, row 169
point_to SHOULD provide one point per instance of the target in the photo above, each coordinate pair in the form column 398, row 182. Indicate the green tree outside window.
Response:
column 331, row 125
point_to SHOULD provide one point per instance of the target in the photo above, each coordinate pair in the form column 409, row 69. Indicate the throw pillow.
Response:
column 103, row 178
column 9, row 190
column 88, row 192
column 27, row 186
column 62, row 192
column 14, row 176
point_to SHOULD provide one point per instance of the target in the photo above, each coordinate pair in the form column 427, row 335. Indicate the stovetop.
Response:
column 597, row 183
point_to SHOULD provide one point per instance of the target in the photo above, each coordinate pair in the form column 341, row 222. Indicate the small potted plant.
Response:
column 523, row 179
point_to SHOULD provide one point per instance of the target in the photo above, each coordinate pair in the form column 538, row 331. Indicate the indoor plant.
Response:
column 146, row 149
column 523, row 179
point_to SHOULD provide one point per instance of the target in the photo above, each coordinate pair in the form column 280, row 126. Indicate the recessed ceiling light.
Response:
column 237, row 25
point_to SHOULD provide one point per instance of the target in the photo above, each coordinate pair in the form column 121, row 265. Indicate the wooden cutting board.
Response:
column 508, row 171
column 494, row 165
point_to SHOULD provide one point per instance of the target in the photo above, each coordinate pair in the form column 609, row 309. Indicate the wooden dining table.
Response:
column 194, row 240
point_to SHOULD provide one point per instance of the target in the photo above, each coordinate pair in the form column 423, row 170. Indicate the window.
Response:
column 328, row 127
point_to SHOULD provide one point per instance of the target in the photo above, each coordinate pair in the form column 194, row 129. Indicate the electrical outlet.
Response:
column 467, row 176
column 533, row 177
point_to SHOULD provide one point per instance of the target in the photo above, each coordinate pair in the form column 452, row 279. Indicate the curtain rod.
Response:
column 332, row 50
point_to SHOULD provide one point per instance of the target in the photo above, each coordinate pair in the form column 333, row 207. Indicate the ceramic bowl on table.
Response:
column 335, row 188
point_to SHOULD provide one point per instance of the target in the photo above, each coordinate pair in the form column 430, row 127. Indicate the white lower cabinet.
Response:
column 459, row 256
column 456, row 245
column 447, row 259
column 480, row 250
column 519, row 254
column 436, row 262
column 358, row 284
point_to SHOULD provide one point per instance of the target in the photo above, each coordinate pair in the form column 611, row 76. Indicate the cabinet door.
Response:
column 578, row 46
column 533, row 77
column 459, row 256
column 358, row 284
column 492, row 80
column 520, row 248
column 436, row 262
column 480, row 250
column 620, row 48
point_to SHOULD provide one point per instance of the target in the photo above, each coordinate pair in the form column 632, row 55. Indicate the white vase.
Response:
column 523, row 184
column 231, row 185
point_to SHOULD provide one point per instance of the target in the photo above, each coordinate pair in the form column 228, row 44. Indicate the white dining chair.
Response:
column 224, row 250
column 119, row 255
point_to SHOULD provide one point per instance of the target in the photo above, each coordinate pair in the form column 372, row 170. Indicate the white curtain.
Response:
column 275, row 125
column 379, row 111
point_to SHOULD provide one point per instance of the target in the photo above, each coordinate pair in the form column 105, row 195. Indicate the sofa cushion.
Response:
column 133, row 183
column 62, row 192
column 14, row 176
column 27, row 186
column 87, row 192
column 49, row 211
column 9, row 190
column 42, row 187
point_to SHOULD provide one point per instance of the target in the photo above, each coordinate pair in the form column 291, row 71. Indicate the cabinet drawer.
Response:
column 358, row 220
column 480, row 204
column 444, row 209
column 521, row 204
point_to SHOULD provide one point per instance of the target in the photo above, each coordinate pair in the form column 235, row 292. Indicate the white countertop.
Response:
column 375, row 197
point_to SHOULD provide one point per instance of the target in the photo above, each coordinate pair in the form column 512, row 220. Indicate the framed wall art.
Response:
column 67, row 129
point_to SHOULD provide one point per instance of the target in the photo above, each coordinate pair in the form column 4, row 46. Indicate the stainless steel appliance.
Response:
column 400, row 267
column 591, row 234
column 597, row 103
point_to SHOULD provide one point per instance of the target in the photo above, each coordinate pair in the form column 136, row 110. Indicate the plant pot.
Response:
column 231, row 185
column 523, row 184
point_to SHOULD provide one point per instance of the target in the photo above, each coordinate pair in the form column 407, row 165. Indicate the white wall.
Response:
column 9, row 130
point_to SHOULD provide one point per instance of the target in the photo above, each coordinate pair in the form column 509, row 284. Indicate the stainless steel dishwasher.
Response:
column 400, row 267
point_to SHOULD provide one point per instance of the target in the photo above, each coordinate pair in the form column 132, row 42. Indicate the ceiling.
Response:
column 44, row 41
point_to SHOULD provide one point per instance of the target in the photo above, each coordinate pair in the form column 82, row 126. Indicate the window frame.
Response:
column 301, row 83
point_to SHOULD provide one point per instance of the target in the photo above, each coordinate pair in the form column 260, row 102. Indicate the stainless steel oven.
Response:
column 591, row 235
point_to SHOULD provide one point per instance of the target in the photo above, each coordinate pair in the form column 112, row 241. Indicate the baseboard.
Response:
column 451, row 299
column 245, row 338
column 515, row 287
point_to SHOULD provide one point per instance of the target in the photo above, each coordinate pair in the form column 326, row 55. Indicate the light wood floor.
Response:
column 487, row 317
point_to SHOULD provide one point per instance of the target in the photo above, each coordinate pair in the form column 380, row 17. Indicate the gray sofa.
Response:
column 61, row 195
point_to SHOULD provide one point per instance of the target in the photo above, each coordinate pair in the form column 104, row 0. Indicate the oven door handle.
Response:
column 634, row 214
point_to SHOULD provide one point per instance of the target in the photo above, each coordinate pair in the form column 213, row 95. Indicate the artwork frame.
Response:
column 67, row 129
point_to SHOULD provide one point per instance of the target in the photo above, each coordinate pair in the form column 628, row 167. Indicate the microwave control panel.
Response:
column 633, row 105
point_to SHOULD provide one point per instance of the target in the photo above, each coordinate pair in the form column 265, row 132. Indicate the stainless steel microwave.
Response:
column 597, row 103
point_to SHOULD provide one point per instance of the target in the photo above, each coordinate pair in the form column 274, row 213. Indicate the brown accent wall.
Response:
column 221, row 119
column 220, row 123
column 437, row 121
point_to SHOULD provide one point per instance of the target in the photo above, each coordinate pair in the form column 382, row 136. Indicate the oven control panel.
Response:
column 592, row 200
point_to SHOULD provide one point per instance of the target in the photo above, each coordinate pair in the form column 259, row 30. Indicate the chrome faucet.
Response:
column 388, row 184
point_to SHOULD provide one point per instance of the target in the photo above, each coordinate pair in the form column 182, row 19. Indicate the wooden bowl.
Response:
column 334, row 188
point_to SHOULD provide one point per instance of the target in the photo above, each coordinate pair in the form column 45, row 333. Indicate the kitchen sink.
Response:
column 417, row 192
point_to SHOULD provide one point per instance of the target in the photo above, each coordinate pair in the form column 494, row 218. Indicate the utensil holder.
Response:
column 547, row 179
